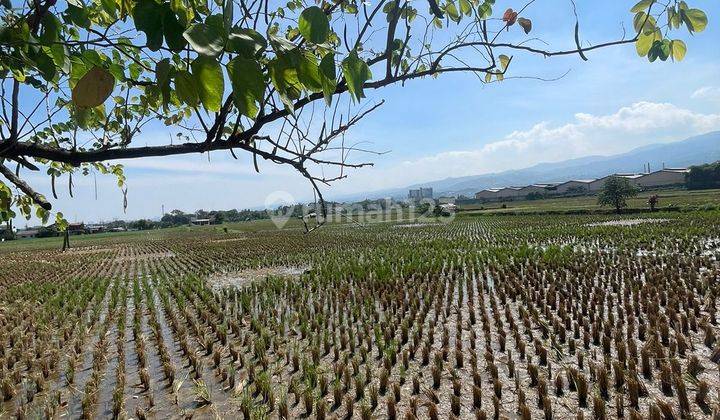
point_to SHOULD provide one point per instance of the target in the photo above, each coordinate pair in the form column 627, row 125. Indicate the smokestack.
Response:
column 663, row 165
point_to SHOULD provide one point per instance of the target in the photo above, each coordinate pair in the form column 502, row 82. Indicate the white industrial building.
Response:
column 662, row 178
column 666, row 177
column 537, row 188
column 509, row 192
column 575, row 186
column 487, row 194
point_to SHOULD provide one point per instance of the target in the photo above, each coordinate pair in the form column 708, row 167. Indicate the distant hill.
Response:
column 692, row 151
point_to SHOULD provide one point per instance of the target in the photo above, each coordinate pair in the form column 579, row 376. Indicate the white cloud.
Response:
column 707, row 92
column 639, row 124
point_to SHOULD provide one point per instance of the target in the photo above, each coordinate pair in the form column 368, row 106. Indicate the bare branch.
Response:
column 37, row 198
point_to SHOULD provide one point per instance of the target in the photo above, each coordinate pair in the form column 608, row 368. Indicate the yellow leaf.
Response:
column 678, row 49
column 93, row 88
column 504, row 61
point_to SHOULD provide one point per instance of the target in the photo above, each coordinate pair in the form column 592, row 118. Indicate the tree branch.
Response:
column 38, row 198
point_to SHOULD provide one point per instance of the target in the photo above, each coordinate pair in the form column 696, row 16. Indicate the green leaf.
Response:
column 185, row 88
column 655, row 51
column 51, row 27
column 484, row 11
column 356, row 73
column 641, row 6
column 57, row 51
column 207, row 38
column 695, row 19
column 283, row 74
column 314, row 25
column 148, row 17
column 60, row 222
column 209, row 80
column 645, row 42
column 644, row 23
column 328, row 77
column 45, row 64
column 110, row 7
column 678, row 49
column 452, row 12
column 184, row 11
column 665, row 49
column 117, row 71
column 308, row 72
column 162, row 74
column 248, row 84
column 173, row 30
column 245, row 42
column 78, row 15
column 228, row 15
column 465, row 7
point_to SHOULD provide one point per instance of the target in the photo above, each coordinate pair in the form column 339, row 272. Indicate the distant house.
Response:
column 95, row 228
column 448, row 208
column 446, row 200
column 27, row 233
column 663, row 178
column 202, row 222
column 76, row 228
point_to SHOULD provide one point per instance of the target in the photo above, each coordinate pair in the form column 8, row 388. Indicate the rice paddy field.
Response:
column 525, row 317
column 673, row 199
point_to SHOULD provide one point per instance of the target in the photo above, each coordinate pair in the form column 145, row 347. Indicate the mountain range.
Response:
column 695, row 150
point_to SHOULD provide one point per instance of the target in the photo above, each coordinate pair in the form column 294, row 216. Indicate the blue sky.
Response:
column 455, row 125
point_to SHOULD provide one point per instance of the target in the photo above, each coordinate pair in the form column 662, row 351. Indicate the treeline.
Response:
column 180, row 218
column 703, row 177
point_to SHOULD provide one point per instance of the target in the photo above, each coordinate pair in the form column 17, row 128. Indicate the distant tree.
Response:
column 703, row 177
column 6, row 232
column 615, row 191
column 81, row 80
column 175, row 218
column 422, row 208
column 652, row 201
column 534, row 196
column 47, row 231
column 142, row 224
column 219, row 217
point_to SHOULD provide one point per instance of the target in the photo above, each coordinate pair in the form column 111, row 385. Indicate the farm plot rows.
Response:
column 509, row 317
